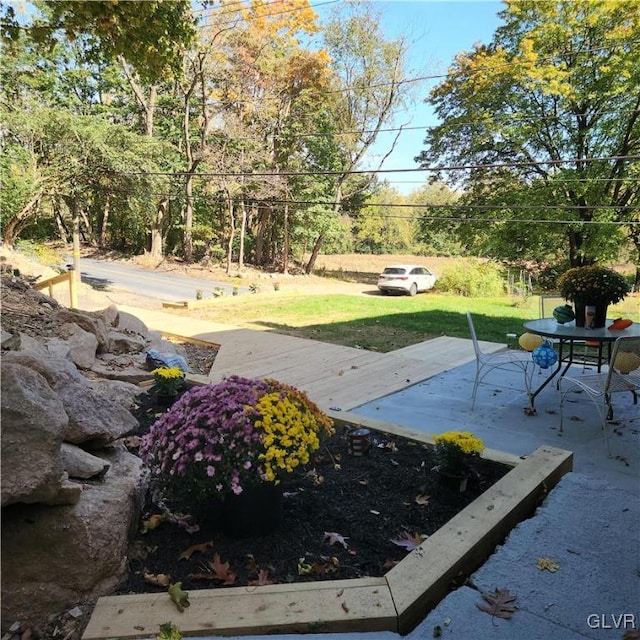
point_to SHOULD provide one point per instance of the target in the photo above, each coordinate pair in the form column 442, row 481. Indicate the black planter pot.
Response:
column 166, row 399
column 257, row 511
column 598, row 320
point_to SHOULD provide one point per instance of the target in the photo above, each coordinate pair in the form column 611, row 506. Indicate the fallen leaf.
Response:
column 194, row 548
column 437, row 631
column 132, row 442
column 422, row 499
column 498, row 605
column 250, row 563
column 262, row 579
column 389, row 564
column 169, row 631
column 408, row 541
column 180, row 597
column 340, row 372
column 548, row 564
column 336, row 538
column 304, row 568
column 153, row 522
column 216, row 570
column 158, row 579
column 325, row 568
column 344, row 607
column 632, row 634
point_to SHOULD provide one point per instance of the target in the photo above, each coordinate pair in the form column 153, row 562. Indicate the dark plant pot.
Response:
column 257, row 511
column 598, row 320
column 166, row 399
column 453, row 481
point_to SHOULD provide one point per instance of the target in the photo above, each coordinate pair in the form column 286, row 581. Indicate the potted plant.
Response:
column 592, row 286
column 454, row 452
column 167, row 381
column 223, row 449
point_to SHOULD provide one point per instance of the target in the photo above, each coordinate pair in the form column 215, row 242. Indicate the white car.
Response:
column 405, row 278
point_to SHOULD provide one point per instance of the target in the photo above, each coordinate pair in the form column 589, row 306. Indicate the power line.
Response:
column 500, row 165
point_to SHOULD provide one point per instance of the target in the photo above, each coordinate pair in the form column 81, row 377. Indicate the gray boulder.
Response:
column 58, row 372
column 33, row 425
column 121, row 342
column 90, row 541
column 94, row 420
column 129, row 323
column 123, row 393
column 81, row 464
column 96, row 326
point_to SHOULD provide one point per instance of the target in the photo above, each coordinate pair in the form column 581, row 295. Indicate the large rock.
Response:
column 94, row 420
column 23, row 342
column 83, row 345
column 124, row 393
column 81, row 464
column 96, row 326
column 33, row 425
column 131, row 324
column 109, row 315
column 122, row 342
column 122, row 367
column 58, row 372
column 53, row 557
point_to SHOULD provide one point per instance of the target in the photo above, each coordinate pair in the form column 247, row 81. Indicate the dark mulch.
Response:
column 389, row 494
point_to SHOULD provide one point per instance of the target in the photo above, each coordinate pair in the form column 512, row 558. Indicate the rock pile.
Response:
column 71, row 492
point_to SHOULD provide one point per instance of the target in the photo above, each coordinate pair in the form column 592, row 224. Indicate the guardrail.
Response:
column 69, row 277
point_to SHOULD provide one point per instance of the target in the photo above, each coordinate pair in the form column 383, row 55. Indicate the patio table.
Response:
column 567, row 335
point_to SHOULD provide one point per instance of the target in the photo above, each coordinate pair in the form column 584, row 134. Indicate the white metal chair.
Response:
column 512, row 360
column 599, row 387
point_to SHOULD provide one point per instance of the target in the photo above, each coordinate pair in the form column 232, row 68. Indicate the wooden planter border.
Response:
column 395, row 602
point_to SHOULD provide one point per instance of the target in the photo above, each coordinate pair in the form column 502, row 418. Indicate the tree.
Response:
column 80, row 164
column 386, row 224
column 150, row 34
column 369, row 89
column 547, row 119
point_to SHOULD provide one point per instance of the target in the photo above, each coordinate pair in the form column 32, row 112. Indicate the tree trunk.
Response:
column 102, row 241
column 232, row 233
column 188, row 220
column 62, row 230
column 157, row 244
column 10, row 232
column 314, row 254
column 285, row 240
column 243, row 232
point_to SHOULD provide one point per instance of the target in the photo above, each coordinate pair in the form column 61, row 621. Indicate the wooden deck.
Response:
column 332, row 375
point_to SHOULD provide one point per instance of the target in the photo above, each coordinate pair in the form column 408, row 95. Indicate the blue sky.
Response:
column 436, row 31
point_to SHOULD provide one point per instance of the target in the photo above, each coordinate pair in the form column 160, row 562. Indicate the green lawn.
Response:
column 381, row 323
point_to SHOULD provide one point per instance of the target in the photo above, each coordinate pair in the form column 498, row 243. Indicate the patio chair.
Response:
column 599, row 387
column 512, row 360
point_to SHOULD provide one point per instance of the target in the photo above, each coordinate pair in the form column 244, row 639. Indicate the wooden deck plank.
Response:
column 332, row 375
column 345, row 605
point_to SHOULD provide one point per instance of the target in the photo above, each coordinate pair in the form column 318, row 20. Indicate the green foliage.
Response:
column 44, row 254
column 560, row 80
column 151, row 34
column 484, row 279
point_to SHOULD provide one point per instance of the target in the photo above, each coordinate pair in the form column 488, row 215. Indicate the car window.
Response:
column 394, row 270
column 417, row 271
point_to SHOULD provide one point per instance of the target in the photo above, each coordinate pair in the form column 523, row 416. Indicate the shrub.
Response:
column 482, row 279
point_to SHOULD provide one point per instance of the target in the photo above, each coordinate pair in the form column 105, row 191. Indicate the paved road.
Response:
column 111, row 276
